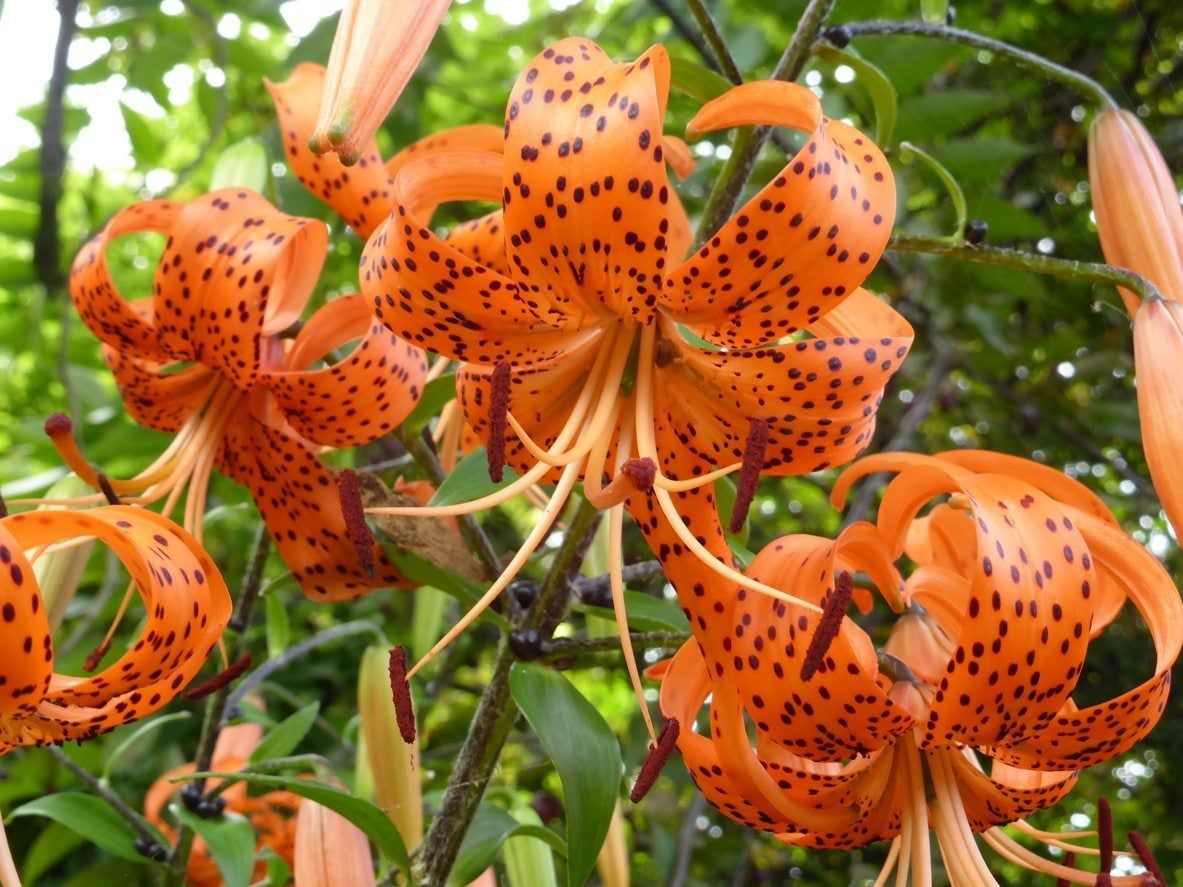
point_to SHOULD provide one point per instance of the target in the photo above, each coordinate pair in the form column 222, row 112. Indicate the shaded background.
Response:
column 154, row 91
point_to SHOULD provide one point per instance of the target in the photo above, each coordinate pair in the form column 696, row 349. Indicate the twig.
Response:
column 253, row 583
column 427, row 460
column 590, row 587
column 563, row 648
column 1022, row 57
column 687, row 832
column 692, row 36
column 1086, row 272
column 718, row 57
column 495, row 715
column 46, row 243
column 100, row 788
column 750, row 140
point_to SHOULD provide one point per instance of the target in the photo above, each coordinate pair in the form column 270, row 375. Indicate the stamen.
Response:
column 655, row 761
column 749, row 475
column 105, row 486
column 222, row 679
column 827, row 627
column 642, row 473
column 1147, row 858
column 498, row 410
column 663, row 353
column 1105, row 841
column 400, row 689
column 355, row 519
column 96, row 656
column 58, row 424
column 1070, row 861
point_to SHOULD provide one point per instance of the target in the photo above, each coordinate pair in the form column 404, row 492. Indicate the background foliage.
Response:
column 1003, row 360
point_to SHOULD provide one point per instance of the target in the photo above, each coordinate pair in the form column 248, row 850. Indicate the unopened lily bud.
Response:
column 612, row 862
column 378, row 46
column 529, row 861
column 330, row 850
column 1139, row 219
column 393, row 762
column 1158, row 361
column 60, row 572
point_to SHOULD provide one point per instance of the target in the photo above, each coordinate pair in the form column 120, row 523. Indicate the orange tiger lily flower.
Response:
column 964, row 721
column 377, row 47
column 574, row 361
column 186, row 602
column 1140, row 224
column 271, row 814
column 206, row 358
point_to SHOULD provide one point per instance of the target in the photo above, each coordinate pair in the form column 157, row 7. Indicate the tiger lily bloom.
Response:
column 209, row 358
column 964, row 721
column 270, row 813
column 574, row 365
column 1140, row 223
column 377, row 47
column 187, row 607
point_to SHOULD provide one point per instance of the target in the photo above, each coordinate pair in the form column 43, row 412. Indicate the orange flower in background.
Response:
column 964, row 721
column 186, row 604
column 1140, row 223
column 377, row 47
column 575, row 364
column 271, row 814
column 210, row 359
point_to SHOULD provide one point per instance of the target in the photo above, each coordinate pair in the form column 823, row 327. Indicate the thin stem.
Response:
column 1022, row 57
column 720, row 55
column 691, row 34
column 564, row 648
column 1087, row 272
column 749, row 140
column 495, row 715
column 253, row 583
column 592, row 589
column 427, row 460
column 100, row 788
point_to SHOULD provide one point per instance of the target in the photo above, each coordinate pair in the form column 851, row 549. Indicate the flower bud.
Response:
column 330, row 850
column 529, row 861
column 612, row 862
column 1158, row 362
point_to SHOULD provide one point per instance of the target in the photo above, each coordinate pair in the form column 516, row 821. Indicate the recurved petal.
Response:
column 804, row 243
column 103, row 309
column 297, row 496
column 24, row 633
column 1158, row 361
column 330, row 850
column 429, row 293
column 587, row 200
column 1136, row 203
column 1078, row 739
column 155, row 397
column 1008, row 793
column 360, row 193
column 483, row 240
column 235, row 270
column 362, row 397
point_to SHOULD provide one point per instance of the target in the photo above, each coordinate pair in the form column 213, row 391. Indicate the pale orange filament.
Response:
column 9, row 877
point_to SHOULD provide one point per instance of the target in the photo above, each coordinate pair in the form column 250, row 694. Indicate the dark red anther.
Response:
column 828, row 625
column 749, row 474
column 1070, row 862
column 108, row 490
column 355, row 519
column 1104, row 842
column 1147, row 858
column 641, row 473
column 400, row 691
column 498, row 413
column 222, row 679
column 96, row 656
column 58, row 424
column 655, row 761
column 664, row 353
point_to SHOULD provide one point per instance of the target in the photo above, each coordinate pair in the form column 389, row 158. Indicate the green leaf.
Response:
column 366, row 816
column 981, row 159
column 242, row 165
column 469, row 480
column 584, row 752
column 231, row 842
column 285, row 736
column 145, row 143
column 19, row 220
column 279, row 627
column 140, row 732
column 696, row 80
column 436, row 395
column 938, row 114
column 491, row 827
column 47, row 849
column 878, row 87
column 424, row 572
column 646, row 613
column 89, row 816
column 427, row 622
column 908, row 151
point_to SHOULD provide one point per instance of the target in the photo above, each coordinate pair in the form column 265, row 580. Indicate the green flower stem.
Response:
column 495, row 715
column 714, row 39
column 749, row 140
column 1087, row 272
column 565, row 648
column 1022, row 57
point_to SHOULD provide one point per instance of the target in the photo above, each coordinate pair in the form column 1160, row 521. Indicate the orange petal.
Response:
column 362, row 397
column 1158, row 360
column 158, row 395
column 378, row 46
column 1008, row 793
column 298, row 500
column 235, row 269
column 483, row 241
column 330, row 850
column 586, row 195
column 470, row 137
column 800, row 246
column 1136, row 204
column 24, row 634
column 360, row 194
